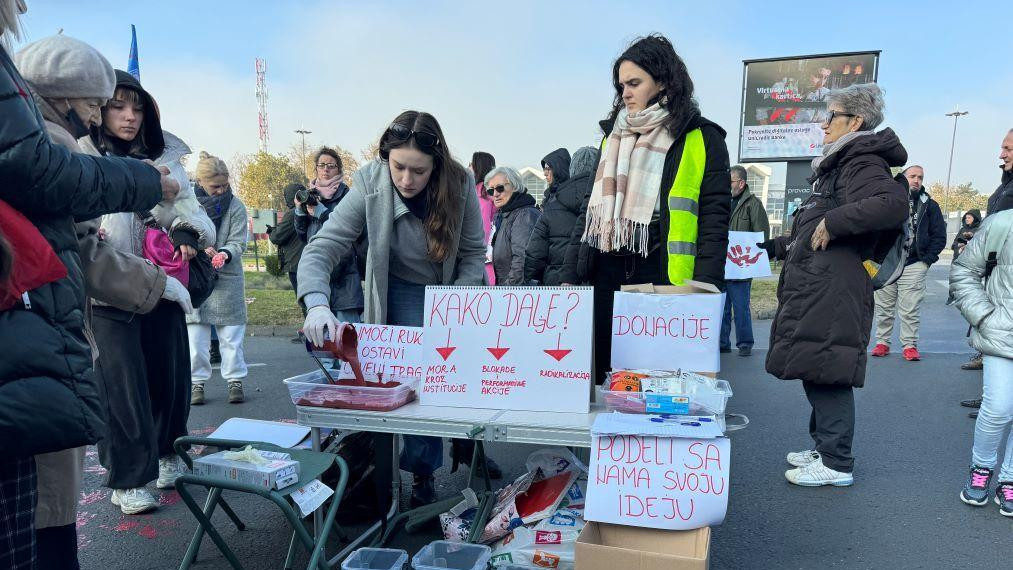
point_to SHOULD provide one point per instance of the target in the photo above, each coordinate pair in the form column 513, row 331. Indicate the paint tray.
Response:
column 313, row 389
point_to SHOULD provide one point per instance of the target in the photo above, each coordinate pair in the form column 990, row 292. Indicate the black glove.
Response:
column 767, row 246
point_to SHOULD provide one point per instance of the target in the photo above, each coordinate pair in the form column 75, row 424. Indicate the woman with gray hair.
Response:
column 516, row 215
column 824, row 317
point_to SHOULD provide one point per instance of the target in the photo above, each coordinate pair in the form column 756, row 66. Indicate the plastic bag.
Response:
column 549, row 544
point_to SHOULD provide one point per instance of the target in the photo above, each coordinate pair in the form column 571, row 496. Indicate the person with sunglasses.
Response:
column 516, row 215
column 312, row 210
column 420, row 212
column 823, row 322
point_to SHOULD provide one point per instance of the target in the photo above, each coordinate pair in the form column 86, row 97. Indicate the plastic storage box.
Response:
column 702, row 401
column 375, row 559
column 442, row 554
column 312, row 389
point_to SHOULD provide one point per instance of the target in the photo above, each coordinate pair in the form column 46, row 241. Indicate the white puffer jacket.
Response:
column 125, row 231
column 987, row 307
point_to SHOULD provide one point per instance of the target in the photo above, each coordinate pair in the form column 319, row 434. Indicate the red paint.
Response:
column 497, row 352
column 168, row 499
column 446, row 351
column 148, row 532
column 126, row 525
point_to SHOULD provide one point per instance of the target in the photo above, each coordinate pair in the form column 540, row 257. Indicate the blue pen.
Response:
column 677, row 416
column 673, row 421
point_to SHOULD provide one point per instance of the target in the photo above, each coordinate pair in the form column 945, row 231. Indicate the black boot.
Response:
column 423, row 491
column 216, row 355
column 461, row 451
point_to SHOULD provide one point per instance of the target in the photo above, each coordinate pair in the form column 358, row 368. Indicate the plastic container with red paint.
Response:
column 312, row 389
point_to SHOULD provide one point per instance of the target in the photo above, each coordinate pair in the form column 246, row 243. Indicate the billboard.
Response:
column 784, row 102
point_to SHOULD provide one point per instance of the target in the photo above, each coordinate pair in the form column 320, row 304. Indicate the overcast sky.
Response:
column 519, row 79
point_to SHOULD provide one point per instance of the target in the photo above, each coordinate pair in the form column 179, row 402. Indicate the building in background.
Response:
column 761, row 183
column 534, row 181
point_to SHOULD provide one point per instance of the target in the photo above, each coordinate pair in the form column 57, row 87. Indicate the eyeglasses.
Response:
column 497, row 189
column 327, row 165
column 401, row 133
column 833, row 114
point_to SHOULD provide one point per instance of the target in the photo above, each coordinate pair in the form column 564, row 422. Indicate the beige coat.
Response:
column 119, row 279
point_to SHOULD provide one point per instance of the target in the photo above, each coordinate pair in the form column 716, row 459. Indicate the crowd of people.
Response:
column 136, row 270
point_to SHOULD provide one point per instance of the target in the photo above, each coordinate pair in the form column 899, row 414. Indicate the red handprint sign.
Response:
column 744, row 259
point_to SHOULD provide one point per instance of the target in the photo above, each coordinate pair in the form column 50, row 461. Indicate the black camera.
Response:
column 308, row 197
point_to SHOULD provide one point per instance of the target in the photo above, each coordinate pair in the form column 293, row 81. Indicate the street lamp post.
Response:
column 303, row 132
column 956, row 114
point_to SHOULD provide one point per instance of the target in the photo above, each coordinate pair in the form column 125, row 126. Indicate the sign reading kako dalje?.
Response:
column 518, row 348
column 387, row 350
column 744, row 258
column 664, row 331
column 657, row 482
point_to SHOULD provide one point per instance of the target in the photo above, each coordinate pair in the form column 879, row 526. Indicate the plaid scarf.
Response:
column 628, row 181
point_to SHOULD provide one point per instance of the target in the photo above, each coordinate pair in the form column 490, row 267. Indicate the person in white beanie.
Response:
column 70, row 82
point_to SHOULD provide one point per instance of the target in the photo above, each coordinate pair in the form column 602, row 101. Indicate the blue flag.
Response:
column 133, row 67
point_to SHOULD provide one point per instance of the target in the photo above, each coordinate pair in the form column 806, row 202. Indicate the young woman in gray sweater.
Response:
column 420, row 212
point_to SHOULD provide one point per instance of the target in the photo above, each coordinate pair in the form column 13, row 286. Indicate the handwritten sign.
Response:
column 657, row 482
column 517, row 348
column 667, row 332
column 388, row 350
column 744, row 259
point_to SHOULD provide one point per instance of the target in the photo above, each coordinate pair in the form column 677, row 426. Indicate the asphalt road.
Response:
column 912, row 447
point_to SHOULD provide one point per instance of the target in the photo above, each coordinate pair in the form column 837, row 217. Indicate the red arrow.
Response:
column 558, row 353
column 446, row 351
column 498, row 352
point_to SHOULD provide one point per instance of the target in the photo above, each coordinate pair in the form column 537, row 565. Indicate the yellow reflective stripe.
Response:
column 683, row 205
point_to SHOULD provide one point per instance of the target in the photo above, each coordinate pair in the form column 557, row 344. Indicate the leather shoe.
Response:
column 972, row 414
column 972, row 403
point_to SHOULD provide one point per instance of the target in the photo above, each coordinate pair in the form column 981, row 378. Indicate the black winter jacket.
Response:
column 546, row 253
column 1002, row 198
column 824, row 316
column 514, row 222
column 559, row 161
column 715, row 204
column 47, row 357
column 930, row 233
column 966, row 231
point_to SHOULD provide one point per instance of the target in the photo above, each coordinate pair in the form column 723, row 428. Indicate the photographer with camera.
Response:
column 313, row 206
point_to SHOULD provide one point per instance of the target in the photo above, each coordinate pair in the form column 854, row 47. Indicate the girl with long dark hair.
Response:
column 659, row 207
column 420, row 211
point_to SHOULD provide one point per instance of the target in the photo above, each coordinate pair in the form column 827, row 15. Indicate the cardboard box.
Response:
column 277, row 474
column 603, row 546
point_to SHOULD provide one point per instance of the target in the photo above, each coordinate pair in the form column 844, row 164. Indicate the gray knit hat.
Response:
column 584, row 161
column 61, row 66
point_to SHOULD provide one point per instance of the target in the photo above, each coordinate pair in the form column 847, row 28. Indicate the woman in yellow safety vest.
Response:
column 658, row 211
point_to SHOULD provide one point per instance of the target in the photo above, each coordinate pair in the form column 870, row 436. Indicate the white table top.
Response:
column 541, row 428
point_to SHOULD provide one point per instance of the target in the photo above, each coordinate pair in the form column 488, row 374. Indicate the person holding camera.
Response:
column 313, row 207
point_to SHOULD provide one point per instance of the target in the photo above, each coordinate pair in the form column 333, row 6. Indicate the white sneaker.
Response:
column 168, row 472
column 815, row 474
column 134, row 501
column 803, row 458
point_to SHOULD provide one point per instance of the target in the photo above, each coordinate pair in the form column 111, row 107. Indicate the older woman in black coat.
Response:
column 824, row 318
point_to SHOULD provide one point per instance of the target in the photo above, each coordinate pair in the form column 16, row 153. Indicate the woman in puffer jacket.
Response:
column 144, row 360
column 981, row 283
column 70, row 81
